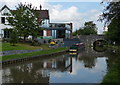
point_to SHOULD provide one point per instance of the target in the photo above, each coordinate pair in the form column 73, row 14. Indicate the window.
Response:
column 6, row 34
column 3, row 20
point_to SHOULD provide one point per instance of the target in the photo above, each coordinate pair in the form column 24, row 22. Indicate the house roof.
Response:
column 5, row 6
column 42, row 14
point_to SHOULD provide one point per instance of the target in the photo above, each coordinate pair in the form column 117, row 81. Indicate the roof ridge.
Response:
column 5, row 6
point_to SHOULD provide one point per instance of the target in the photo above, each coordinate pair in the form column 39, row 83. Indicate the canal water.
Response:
column 88, row 66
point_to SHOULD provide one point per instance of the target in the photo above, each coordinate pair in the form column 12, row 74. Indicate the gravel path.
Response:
column 3, row 53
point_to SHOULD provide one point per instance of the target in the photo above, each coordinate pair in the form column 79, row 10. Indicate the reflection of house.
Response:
column 59, row 65
column 36, row 72
column 51, row 30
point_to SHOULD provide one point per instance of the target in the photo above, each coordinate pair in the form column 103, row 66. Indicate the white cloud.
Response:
column 73, row 15
column 73, row 0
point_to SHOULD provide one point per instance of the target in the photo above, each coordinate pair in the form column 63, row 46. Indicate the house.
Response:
column 51, row 30
column 4, row 12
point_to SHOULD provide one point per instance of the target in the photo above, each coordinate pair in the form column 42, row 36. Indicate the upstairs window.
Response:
column 3, row 20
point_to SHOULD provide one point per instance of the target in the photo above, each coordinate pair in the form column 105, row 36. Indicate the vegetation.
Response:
column 111, row 16
column 113, row 73
column 25, row 21
column 89, row 28
column 13, row 37
column 16, row 56
column 21, row 46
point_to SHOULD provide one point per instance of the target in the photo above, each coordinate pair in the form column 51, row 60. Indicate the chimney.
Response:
column 40, row 7
column 71, row 36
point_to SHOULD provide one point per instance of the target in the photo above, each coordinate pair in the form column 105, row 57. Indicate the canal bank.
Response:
column 113, row 74
column 10, row 59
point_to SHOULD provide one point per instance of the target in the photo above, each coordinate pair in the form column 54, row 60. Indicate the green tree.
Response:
column 90, row 28
column 25, row 20
column 111, row 16
column 87, row 29
column 13, row 37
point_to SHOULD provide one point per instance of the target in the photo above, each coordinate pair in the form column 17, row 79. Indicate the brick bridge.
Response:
column 86, row 39
column 90, row 39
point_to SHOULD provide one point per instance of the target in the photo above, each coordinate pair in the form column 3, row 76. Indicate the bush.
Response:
column 5, row 40
column 35, row 43
column 13, row 38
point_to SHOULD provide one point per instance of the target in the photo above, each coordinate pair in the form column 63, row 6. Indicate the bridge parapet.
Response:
column 90, row 39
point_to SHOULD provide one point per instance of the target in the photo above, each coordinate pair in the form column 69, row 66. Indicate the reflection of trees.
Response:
column 112, row 57
column 27, row 74
column 36, row 72
column 89, row 57
column 88, row 61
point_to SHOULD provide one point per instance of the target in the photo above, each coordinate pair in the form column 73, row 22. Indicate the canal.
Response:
column 88, row 66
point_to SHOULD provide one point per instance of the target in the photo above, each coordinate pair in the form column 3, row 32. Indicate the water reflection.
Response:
column 67, row 68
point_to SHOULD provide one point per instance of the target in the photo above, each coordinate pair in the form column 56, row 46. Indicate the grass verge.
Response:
column 113, row 74
column 21, row 46
column 24, row 55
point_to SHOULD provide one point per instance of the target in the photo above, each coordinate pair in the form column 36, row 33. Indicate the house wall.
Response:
column 45, row 23
column 49, row 32
column 3, row 26
column 44, row 33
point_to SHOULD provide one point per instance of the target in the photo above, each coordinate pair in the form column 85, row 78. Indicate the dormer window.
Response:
column 3, row 20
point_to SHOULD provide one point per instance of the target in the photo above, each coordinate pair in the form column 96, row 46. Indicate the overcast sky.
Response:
column 75, row 11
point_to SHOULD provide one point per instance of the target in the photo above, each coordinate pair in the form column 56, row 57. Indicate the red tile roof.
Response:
column 43, row 14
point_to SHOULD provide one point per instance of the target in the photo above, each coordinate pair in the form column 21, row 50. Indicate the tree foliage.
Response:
column 24, row 20
column 87, row 29
column 13, row 37
column 111, row 16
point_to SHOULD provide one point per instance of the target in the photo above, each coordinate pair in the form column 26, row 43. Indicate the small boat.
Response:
column 76, row 47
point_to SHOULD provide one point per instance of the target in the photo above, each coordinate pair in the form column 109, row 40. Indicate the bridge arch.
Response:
column 100, row 42
column 99, row 45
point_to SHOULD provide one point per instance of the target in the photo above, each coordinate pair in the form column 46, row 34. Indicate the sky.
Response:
column 71, row 11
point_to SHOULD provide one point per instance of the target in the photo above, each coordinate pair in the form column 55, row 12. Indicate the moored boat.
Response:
column 76, row 47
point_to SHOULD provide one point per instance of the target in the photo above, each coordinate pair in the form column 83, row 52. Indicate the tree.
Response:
column 90, row 28
column 13, row 37
column 25, row 20
column 114, row 31
column 111, row 16
column 87, row 29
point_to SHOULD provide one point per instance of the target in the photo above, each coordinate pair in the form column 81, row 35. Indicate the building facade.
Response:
column 51, row 30
column 4, row 12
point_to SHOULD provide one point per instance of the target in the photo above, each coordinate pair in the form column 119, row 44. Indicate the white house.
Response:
column 4, row 12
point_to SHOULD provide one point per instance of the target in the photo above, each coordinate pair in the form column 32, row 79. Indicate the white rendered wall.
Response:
column 3, row 26
column 44, row 33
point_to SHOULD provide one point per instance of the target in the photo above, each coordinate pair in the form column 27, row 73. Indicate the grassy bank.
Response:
column 21, row 46
column 113, row 74
column 16, row 56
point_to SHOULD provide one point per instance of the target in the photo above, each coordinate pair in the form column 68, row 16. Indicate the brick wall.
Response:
column 49, row 32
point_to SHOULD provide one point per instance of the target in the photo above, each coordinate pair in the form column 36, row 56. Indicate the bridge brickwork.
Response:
column 90, row 39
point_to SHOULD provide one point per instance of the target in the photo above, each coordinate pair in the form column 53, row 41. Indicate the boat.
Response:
column 76, row 47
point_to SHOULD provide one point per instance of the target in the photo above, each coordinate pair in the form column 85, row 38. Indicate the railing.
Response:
column 57, row 25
